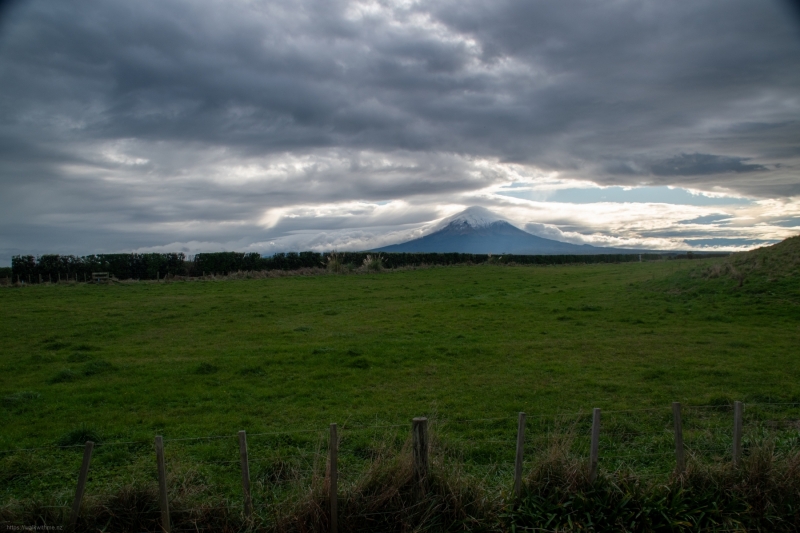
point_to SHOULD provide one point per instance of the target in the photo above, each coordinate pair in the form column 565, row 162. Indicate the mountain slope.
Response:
column 477, row 230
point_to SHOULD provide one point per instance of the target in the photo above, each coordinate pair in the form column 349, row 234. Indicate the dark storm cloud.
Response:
column 130, row 115
column 703, row 164
column 275, row 77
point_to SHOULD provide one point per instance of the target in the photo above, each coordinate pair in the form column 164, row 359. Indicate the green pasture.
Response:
column 467, row 346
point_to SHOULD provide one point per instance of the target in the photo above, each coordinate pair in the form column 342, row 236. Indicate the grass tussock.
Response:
column 372, row 263
column 388, row 497
column 79, row 436
column 762, row 494
column 335, row 263
column 132, row 508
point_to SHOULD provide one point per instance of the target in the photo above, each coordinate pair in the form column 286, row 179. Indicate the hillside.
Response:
column 770, row 263
column 759, row 280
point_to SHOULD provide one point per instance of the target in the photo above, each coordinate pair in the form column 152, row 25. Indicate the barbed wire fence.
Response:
column 250, row 473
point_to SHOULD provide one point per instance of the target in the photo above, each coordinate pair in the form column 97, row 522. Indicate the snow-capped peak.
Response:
column 475, row 216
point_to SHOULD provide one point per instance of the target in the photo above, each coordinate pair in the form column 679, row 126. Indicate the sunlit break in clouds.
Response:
column 311, row 125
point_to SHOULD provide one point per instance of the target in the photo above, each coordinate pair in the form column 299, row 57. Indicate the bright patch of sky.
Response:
column 722, row 242
column 590, row 195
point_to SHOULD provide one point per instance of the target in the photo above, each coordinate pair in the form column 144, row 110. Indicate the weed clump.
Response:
column 205, row 369
column 64, row 376
column 278, row 472
column 55, row 345
column 359, row 362
column 79, row 357
column 321, row 350
column 79, row 436
column 251, row 371
column 84, row 348
column 19, row 398
column 92, row 368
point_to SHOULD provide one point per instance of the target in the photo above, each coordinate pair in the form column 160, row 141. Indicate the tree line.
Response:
column 51, row 267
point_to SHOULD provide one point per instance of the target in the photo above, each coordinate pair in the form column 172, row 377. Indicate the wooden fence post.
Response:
column 84, row 474
column 163, row 500
column 737, row 432
column 333, row 489
column 595, row 449
column 520, row 452
column 248, row 502
column 419, row 430
column 680, row 458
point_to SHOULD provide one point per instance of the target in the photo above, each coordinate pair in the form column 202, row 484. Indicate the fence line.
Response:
column 602, row 445
column 436, row 422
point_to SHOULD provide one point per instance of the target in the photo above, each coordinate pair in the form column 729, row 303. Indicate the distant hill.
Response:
column 477, row 230
column 770, row 263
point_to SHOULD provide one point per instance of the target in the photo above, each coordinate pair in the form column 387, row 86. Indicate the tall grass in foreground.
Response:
column 762, row 494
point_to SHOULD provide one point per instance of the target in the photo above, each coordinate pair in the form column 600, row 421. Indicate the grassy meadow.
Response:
column 467, row 346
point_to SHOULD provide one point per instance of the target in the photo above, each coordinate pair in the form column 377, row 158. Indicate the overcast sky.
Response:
column 269, row 126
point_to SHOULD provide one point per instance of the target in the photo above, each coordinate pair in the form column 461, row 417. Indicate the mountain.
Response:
column 476, row 230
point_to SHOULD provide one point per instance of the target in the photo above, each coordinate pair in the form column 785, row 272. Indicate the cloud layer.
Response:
column 275, row 125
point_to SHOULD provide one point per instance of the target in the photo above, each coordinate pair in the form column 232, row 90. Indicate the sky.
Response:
column 268, row 126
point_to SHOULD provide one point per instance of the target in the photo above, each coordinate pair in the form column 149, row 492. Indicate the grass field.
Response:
column 124, row 362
